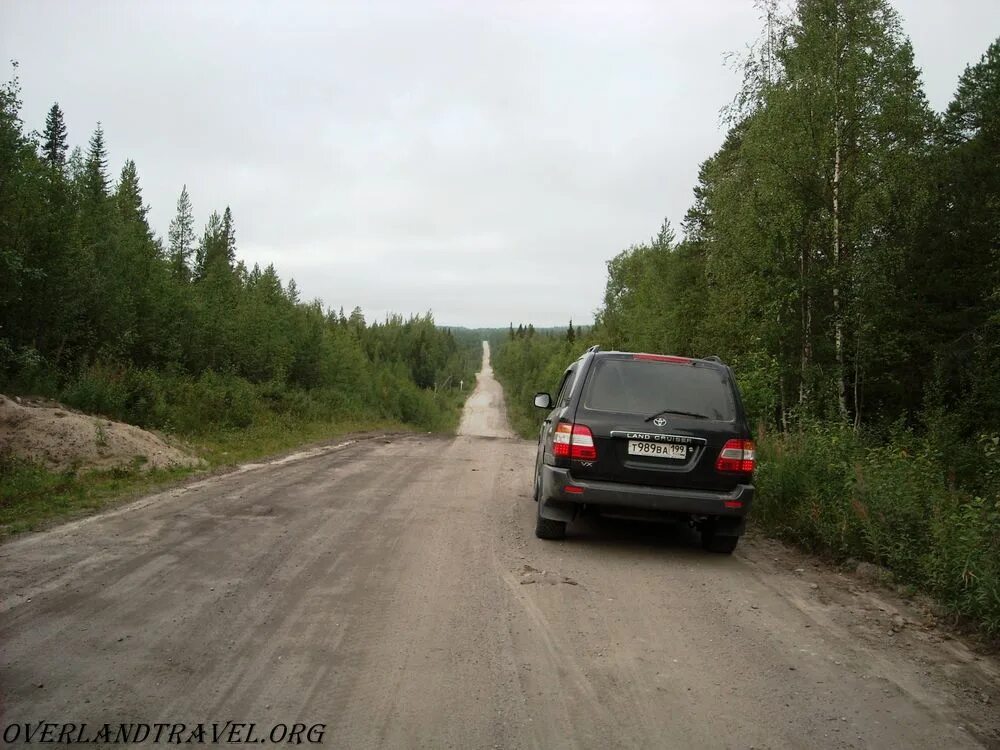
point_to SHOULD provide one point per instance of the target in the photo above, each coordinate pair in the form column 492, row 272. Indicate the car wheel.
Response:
column 723, row 544
column 546, row 528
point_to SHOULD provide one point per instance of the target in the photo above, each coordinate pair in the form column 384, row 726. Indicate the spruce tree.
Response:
column 229, row 236
column 128, row 196
column 54, row 146
column 181, row 238
column 95, row 175
column 211, row 257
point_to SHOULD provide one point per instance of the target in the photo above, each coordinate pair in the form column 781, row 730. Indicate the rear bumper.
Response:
column 559, row 505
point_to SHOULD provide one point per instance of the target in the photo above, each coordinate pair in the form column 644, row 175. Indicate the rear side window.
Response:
column 565, row 388
column 628, row 386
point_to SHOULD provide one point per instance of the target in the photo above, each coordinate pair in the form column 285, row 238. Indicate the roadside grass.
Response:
column 228, row 448
column 522, row 416
column 33, row 498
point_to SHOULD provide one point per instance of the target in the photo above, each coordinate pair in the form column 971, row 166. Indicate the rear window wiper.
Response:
column 651, row 417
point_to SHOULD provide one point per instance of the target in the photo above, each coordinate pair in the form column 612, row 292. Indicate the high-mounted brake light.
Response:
column 737, row 456
column 662, row 358
column 574, row 441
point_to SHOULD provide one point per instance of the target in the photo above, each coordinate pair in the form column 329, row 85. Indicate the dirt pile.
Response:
column 61, row 439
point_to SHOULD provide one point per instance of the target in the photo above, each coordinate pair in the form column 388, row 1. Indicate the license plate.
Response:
column 661, row 450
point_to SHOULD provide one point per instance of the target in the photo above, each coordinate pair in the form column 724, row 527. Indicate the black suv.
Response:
column 646, row 436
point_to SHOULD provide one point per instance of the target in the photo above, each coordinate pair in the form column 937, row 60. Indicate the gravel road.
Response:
column 390, row 587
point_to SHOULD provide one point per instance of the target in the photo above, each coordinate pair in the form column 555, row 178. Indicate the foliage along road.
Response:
column 391, row 589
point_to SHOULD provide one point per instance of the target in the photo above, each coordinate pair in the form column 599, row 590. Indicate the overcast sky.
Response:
column 481, row 160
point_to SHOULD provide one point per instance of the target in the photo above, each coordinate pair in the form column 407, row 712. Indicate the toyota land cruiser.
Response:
column 647, row 436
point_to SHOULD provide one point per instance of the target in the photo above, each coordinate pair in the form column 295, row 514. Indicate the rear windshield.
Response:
column 631, row 386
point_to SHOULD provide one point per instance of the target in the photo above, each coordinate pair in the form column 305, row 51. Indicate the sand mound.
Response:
column 60, row 439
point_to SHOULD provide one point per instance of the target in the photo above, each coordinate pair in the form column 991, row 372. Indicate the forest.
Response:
column 97, row 311
column 842, row 254
column 102, row 315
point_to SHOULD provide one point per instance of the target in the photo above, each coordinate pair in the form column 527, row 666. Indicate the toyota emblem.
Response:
column 659, row 421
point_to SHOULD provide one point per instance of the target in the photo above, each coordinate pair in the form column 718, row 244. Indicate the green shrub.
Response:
column 97, row 390
column 893, row 504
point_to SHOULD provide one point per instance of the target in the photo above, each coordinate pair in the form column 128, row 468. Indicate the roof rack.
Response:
column 594, row 348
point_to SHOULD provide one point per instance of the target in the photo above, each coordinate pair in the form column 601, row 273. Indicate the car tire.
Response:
column 722, row 544
column 546, row 528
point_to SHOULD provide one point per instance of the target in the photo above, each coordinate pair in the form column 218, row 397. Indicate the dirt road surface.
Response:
column 484, row 411
column 391, row 588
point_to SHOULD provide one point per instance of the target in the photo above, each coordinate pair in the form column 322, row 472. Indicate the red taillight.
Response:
column 662, row 358
column 737, row 456
column 572, row 489
column 560, row 440
column 574, row 441
column 582, row 445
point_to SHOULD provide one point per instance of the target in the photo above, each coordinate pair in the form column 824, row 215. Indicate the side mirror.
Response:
column 543, row 401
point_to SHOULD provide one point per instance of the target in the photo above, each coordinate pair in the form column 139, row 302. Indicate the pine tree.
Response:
column 571, row 332
column 54, row 146
column 665, row 238
column 181, row 238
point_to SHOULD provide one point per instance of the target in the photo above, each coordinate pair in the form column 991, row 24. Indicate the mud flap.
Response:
column 557, row 510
